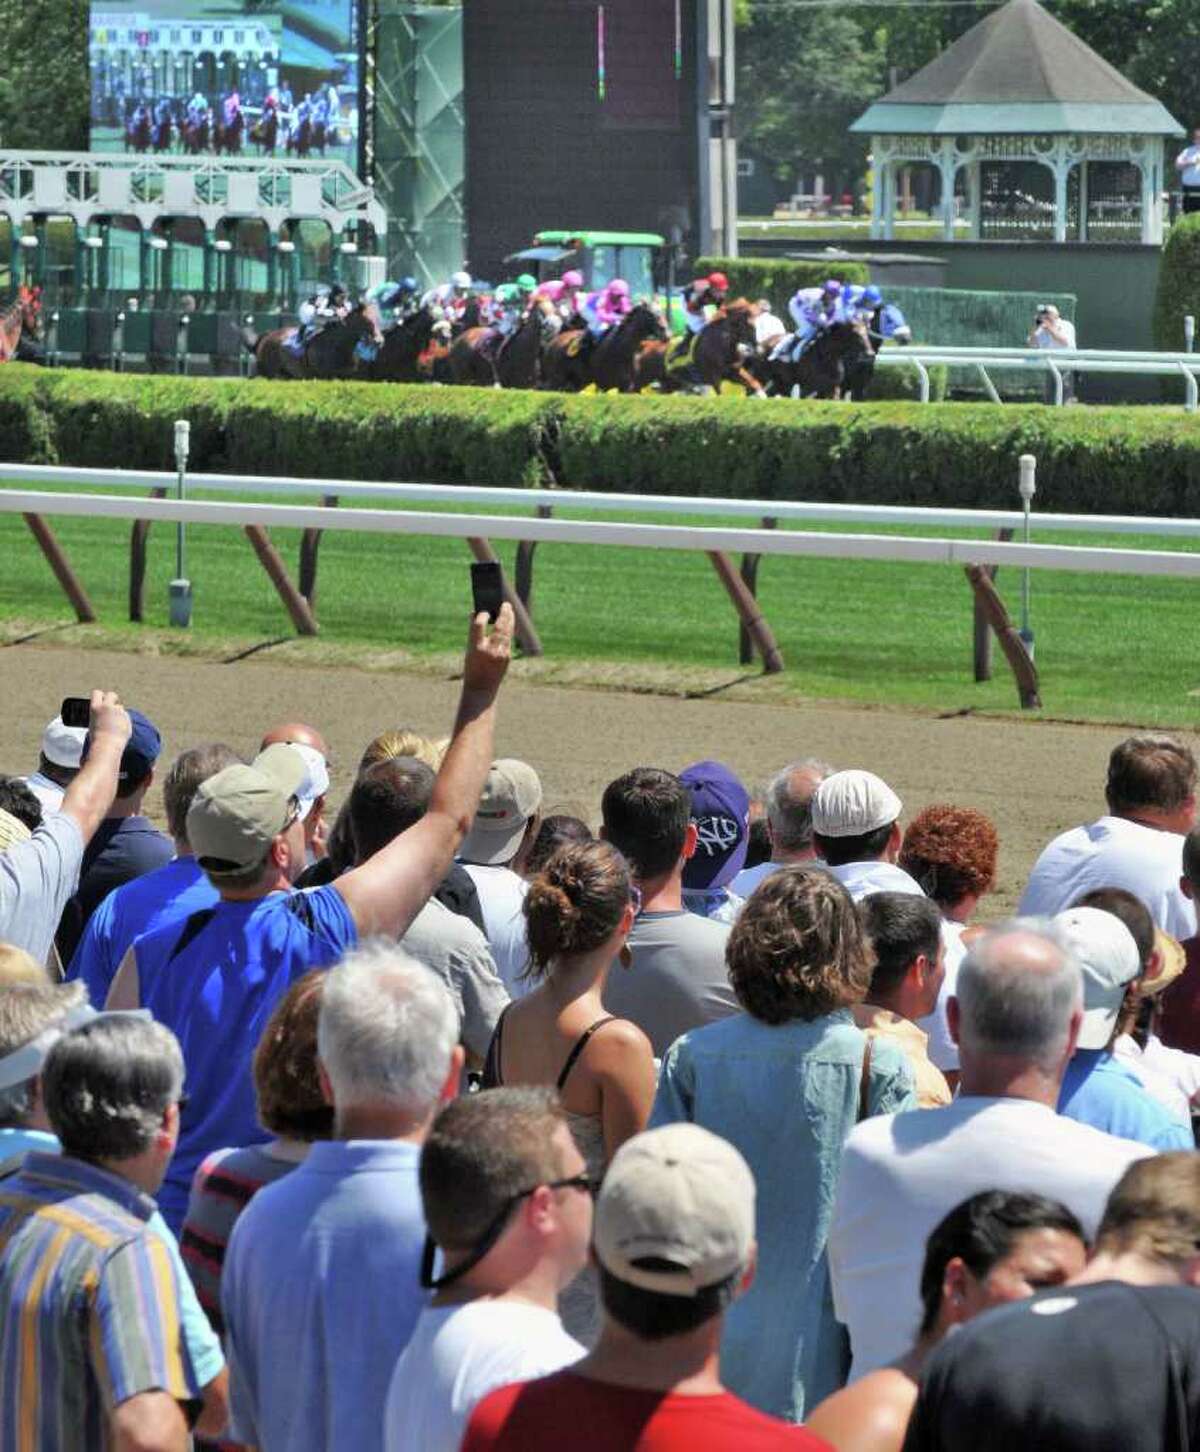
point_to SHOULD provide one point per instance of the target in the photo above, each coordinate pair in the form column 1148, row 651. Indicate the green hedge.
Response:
column 1178, row 284
column 1119, row 460
column 777, row 278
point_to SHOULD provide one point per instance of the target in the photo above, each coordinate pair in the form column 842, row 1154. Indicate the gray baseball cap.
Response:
column 237, row 814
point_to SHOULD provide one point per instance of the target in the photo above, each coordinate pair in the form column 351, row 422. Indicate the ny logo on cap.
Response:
column 717, row 835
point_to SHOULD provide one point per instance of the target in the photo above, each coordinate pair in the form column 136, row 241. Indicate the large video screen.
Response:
column 231, row 77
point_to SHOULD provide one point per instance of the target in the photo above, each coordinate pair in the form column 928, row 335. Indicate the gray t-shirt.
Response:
column 454, row 948
column 677, row 980
column 36, row 880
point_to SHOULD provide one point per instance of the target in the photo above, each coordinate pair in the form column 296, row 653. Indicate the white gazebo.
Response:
column 1039, row 135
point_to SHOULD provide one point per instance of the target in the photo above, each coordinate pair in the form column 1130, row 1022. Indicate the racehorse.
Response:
column 228, row 138
column 21, row 326
column 704, row 360
column 338, row 350
column 839, row 351
column 265, row 134
column 300, row 137
column 480, row 356
column 196, row 136
column 569, row 363
column 887, row 324
column 161, row 140
column 405, row 344
column 138, row 134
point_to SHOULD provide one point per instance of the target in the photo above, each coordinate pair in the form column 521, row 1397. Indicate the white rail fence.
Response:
column 979, row 557
column 1052, row 362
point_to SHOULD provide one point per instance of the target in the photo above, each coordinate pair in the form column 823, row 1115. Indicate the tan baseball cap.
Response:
column 511, row 795
column 853, row 803
column 678, row 1195
column 237, row 814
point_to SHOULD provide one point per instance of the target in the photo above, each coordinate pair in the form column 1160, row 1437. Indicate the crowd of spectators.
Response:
column 432, row 1119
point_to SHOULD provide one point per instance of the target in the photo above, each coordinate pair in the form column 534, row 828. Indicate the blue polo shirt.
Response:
column 214, row 982
column 1099, row 1091
column 170, row 894
column 321, row 1291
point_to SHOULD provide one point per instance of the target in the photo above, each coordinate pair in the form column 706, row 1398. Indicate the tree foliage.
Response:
column 44, row 82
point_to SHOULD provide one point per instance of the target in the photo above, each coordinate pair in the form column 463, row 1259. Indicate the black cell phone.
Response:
column 487, row 587
column 76, row 711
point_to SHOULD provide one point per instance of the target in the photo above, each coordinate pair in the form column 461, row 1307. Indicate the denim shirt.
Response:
column 787, row 1096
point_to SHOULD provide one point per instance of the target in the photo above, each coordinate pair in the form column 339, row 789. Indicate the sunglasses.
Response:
column 582, row 1182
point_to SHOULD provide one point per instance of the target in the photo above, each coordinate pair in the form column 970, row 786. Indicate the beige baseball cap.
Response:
column 678, row 1195
column 1108, row 957
column 853, row 803
column 511, row 795
column 237, row 814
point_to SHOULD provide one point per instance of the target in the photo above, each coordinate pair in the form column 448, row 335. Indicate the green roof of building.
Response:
column 1019, row 71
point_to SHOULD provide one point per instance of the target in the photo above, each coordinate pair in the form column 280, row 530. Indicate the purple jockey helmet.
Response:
column 832, row 288
column 572, row 278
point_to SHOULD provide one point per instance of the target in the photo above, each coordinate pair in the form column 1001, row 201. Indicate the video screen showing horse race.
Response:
column 225, row 77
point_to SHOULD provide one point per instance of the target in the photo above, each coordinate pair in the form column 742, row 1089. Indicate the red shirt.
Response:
column 1180, row 1027
column 569, row 1411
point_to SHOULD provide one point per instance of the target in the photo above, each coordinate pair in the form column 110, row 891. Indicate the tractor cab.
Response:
column 643, row 259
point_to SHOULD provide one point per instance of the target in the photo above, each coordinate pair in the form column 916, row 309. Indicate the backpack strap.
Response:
column 192, row 929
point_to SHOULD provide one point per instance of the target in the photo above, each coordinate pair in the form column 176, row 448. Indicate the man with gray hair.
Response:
column 89, row 1295
column 320, row 1288
column 1015, row 1016
column 789, row 798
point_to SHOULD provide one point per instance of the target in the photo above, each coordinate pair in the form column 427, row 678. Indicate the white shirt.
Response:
column 1113, row 852
column 861, row 879
column 457, row 1355
column 902, row 1173
column 1043, row 339
column 501, row 895
column 768, row 329
column 1188, row 161
column 942, row 1049
column 1171, row 1076
column 48, row 792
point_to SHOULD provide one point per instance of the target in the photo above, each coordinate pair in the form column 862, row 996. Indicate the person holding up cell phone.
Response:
column 37, row 877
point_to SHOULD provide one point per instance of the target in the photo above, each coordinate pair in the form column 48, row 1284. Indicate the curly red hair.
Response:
column 951, row 851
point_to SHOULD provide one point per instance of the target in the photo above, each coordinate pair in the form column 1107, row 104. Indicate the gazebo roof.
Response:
column 1019, row 71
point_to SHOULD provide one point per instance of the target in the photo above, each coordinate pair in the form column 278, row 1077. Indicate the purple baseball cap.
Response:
column 720, row 810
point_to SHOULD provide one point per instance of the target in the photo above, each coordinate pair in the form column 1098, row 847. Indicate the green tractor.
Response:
column 644, row 259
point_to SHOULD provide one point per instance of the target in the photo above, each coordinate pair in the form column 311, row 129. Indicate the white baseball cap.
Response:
column 63, row 745
column 1109, row 960
column 675, row 1197
column 316, row 782
column 852, row 803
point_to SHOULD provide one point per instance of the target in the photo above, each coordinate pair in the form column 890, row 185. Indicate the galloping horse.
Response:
column 265, row 134
column 479, row 356
column 887, row 324
column 196, row 136
column 703, row 361
column 138, row 134
column 568, row 365
column 161, row 140
column 841, row 351
column 337, row 351
column 228, row 138
column 21, row 325
column 404, row 345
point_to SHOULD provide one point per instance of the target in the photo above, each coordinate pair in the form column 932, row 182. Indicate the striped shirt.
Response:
column 89, row 1306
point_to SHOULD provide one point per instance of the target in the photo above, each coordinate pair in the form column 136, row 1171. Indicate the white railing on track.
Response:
column 1051, row 361
column 644, row 536
column 799, row 511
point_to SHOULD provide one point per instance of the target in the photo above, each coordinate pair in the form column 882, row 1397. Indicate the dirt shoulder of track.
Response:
column 1032, row 777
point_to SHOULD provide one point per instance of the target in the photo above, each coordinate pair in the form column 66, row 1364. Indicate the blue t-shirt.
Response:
column 214, row 982
column 321, row 1291
column 1099, row 1091
column 121, row 849
column 203, row 1346
column 749, row 877
column 168, row 895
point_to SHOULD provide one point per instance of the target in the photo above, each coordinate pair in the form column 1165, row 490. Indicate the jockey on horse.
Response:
column 564, row 294
column 449, row 300
column 398, row 298
column 813, row 310
column 602, row 311
column 700, row 295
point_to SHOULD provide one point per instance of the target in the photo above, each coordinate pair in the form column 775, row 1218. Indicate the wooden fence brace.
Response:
column 137, row 562
column 749, row 614
column 294, row 602
column 983, row 632
column 750, row 576
column 310, row 543
column 989, row 603
column 63, row 573
column 524, row 570
column 527, row 636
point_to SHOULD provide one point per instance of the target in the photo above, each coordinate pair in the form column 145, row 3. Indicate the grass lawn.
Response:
column 1109, row 647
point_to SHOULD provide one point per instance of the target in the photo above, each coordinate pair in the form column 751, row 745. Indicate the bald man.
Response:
column 1016, row 1017
column 297, row 733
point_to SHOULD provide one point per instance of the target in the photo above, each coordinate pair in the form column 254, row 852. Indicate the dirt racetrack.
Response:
column 1032, row 777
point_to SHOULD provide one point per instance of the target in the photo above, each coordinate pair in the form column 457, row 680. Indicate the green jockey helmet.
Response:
column 527, row 282
column 508, row 292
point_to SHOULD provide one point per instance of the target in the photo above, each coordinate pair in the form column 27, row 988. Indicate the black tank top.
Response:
column 492, row 1078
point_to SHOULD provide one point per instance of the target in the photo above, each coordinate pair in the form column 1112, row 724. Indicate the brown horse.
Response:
column 265, row 133
column 704, row 360
column 571, row 361
column 404, row 345
column 336, row 351
column 840, row 352
column 20, row 320
column 479, row 358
